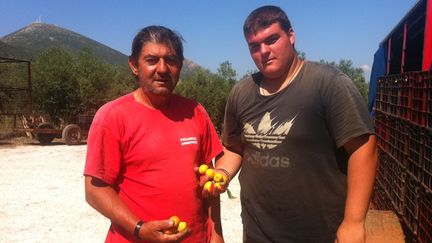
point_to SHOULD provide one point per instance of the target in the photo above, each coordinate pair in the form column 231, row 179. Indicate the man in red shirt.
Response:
column 143, row 148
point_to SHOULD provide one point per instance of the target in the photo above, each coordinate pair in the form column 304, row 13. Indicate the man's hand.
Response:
column 153, row 231
column 214, row 182
column 352, row 232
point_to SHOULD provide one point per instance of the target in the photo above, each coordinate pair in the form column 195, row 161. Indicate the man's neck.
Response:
column 272, row 86
column 150, row 100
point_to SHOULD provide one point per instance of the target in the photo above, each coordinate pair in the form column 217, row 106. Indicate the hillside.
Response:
column 35, row 38
column 12, row 52
column 30, row 41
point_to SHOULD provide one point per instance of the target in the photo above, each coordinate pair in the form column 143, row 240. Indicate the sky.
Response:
column 328, row 30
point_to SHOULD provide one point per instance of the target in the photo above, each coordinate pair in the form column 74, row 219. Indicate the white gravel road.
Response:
column 42, row 197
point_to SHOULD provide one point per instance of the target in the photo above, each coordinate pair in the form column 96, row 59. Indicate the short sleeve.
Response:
column 232, row 131
column 103, row 158
column 211, row 146
column 346, row 111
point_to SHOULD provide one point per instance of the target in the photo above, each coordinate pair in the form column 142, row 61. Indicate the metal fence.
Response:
column 15, row 92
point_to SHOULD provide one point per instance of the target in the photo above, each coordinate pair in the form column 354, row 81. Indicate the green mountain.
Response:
column 30, row 41
column 35, row 38
column 12, row 52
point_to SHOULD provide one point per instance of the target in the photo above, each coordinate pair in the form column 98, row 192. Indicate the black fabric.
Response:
column 292, row 185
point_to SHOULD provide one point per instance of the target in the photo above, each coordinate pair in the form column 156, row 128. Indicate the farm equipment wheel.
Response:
column 71, row 134
column 45, row 138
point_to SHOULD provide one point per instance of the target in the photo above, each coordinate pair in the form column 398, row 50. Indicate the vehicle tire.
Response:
column 45, row 138
column 71, row 134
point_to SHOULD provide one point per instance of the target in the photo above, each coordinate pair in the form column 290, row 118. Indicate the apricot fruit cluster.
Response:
column 216, row 179
column 178, row 226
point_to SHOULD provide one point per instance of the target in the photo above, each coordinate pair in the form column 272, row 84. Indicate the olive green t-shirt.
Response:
column 293, row 187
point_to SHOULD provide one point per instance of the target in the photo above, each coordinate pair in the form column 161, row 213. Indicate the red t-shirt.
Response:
column 149, row 156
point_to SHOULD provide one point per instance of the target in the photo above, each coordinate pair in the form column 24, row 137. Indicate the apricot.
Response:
column 202, row 169
column 218, row 177
column 209, row 186
column 175, row 219
column 175, row 227
column 210, row 173
column 182, row 226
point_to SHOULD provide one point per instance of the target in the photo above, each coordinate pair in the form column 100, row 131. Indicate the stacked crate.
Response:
column 403, row 125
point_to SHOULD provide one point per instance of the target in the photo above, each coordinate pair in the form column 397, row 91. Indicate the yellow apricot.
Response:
column 218, row 177
column 175, row 219
column 210, row 173
column 173, row 229
column 202, row 169
column 209, row 186
column 182, row 226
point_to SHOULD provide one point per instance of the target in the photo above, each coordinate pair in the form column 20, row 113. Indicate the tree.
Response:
column 56, row 90
column 226, row 71
column 124, row 82
column 209, row 89
column 356, row 74
column 96, row 78
column 65, row 85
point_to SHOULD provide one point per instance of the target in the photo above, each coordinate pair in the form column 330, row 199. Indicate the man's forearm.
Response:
column 362, row 167
column 106, row 201
column 230, row 161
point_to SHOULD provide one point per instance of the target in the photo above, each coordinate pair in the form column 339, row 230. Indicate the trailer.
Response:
column 407, row 48
column 45, row 132
column 400, row 100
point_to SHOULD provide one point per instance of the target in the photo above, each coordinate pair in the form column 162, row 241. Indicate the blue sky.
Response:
column 329, row 30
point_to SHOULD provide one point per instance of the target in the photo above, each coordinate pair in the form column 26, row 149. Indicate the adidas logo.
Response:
column 267, row 135
column 264, row 160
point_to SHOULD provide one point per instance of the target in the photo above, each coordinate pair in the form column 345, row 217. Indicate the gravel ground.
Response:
column 42, row 197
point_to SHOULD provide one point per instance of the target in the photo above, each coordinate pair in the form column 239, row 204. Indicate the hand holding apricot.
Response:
column 215, row 180
column 178, row 226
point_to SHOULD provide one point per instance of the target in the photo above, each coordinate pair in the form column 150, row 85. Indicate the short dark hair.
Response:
column 157, row 34
column 265, row 16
